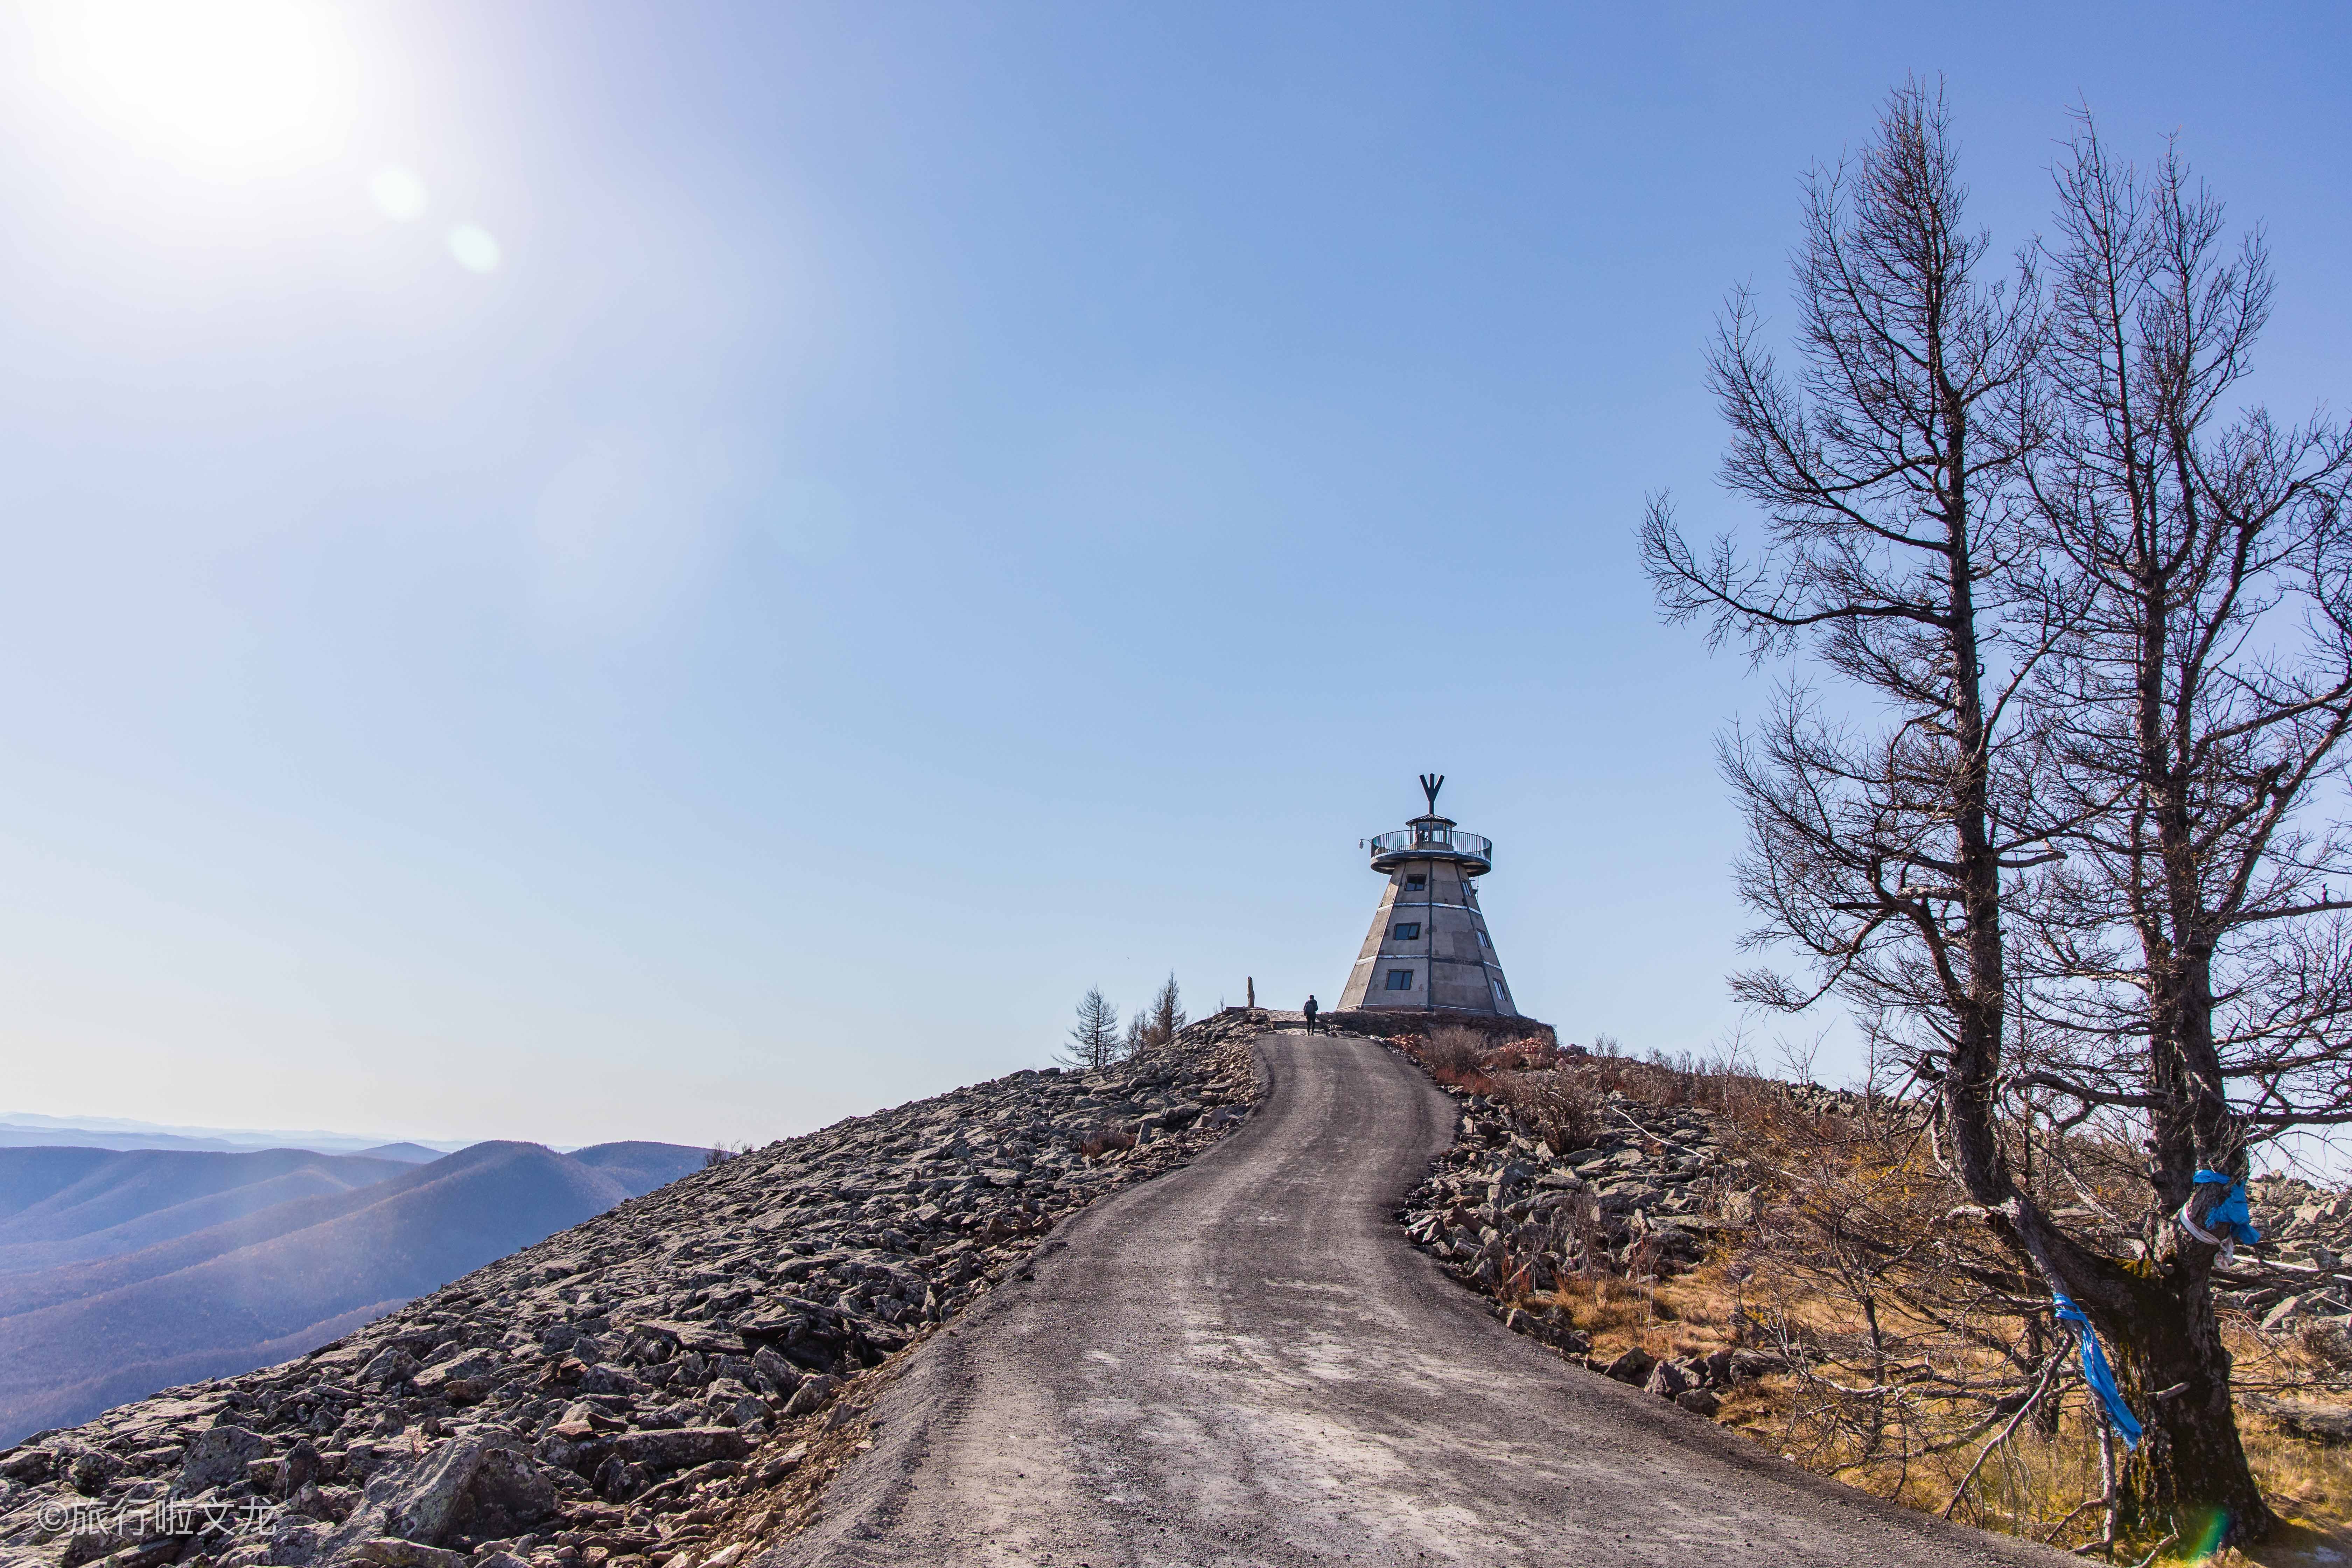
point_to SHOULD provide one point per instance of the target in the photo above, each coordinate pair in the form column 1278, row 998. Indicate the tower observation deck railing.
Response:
column 1446, row 842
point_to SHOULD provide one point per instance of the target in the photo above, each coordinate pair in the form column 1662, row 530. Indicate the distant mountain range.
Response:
column 26, row 1130
column 126, row 1271
column 70, row 1205
column 406, row 1153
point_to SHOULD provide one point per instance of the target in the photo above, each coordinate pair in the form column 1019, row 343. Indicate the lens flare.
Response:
column 399, row 193
column 2201, row 1539
column 473, row 248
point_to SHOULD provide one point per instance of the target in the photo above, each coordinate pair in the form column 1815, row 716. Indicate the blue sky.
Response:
column 932, row 508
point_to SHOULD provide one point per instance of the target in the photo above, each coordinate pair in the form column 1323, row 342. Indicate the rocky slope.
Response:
column 2306, row 1236
column 287, row 1278
column 640, row 1384
column 1507, row 1214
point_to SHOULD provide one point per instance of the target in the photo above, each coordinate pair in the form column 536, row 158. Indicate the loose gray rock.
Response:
column 220, row 1457
column 1667, row 1380
column 471, row 1482
column 299, row 1471
column 686, row 1446
column 392, row 1365
column 776, row 1376
column 1511, row 1217
column 604, row 1378
column 2320, row 1423
column 812, row 1395
column 390, row 1552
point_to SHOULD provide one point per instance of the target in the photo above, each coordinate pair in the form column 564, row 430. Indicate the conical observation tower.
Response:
column 1428, row 950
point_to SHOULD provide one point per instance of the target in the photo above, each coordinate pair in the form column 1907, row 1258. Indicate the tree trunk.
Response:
column 2189, row 1472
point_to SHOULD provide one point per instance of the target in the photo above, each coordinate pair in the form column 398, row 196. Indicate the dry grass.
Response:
column 2306, row 1481
column 1859, row 1256
column 1689, row 1315
column 2029, row 1485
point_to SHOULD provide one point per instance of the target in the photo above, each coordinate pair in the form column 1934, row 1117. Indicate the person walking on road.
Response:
column 1311, row 1011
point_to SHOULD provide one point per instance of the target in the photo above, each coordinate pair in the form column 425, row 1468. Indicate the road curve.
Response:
column 1245, row 1363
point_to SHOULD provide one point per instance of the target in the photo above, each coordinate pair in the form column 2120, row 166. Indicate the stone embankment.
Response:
column 1508, row 1216
column 1655, row 1186
column 684, row 1367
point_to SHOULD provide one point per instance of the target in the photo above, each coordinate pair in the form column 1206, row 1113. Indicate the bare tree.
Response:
column 2193, row 975
column 1164, row 1014
column 2072, row 875
column 1889, row 837
column 1094, row 1038
column 1891, row 474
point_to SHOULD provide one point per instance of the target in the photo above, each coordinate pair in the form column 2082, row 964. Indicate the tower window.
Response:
column 1400, row 979
column 1416, row 884
column 1500, row 999
column 1484, row 939
column 1408, row 931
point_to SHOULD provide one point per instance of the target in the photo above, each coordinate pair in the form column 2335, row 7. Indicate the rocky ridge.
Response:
column 680, row 1367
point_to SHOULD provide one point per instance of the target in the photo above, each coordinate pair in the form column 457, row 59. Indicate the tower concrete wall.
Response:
column 1430, row 932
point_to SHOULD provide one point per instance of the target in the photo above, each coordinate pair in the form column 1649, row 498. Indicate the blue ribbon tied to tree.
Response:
column 2231, row 1211
column 2095, row 1370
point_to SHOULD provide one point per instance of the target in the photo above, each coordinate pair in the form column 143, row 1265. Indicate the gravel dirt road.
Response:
column 1246, row 1362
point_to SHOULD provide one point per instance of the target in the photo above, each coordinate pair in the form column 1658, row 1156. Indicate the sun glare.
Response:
column 230, row 87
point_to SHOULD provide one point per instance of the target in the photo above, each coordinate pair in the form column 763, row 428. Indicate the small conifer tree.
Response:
column 1163, row 1015
column 1094, row 1038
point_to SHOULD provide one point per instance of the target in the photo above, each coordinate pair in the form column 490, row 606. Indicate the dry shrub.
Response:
column 1614, row 1313
column 1104, row 1139
column 1923, row 1363
column 1531, row 1053
column 1558, row 1106
column 1558, row 1095
column 1470, row 1059
column 1452, row 1053
column 1723, row 1082
column 1687, row 1316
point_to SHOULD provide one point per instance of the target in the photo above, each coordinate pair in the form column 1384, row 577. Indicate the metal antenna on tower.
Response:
column 1430, row 785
